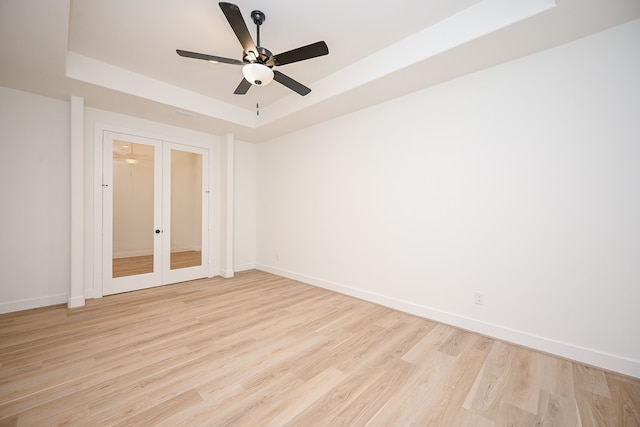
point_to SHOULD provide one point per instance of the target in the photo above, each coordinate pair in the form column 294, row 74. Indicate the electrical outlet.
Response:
column 478, row 298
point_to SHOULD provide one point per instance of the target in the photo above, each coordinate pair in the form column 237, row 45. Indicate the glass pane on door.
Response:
column 186, row 209
column 133, row 209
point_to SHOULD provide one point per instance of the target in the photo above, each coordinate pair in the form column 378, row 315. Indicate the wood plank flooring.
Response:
column 130, row 266
column 261, row 350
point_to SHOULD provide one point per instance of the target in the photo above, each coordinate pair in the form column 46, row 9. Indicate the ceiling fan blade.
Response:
column 234, row 16
column 290, row 83
column 300, row 54
column 243, row 87
column 205, row 57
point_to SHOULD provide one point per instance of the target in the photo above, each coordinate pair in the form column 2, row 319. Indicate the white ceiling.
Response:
column 120, row 54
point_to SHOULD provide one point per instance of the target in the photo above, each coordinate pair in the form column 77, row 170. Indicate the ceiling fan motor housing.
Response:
column 263, row 57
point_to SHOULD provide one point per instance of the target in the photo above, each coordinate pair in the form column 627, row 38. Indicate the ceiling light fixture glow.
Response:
column 257, row 74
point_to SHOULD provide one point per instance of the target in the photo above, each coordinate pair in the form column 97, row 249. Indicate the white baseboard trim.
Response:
column 133, row 253
column 178, row 249
column 27, row 304
column 146, row 252
column 243, row 267
column 90, row 293
column 75, row 302
column 565, row 350
column 227, row 274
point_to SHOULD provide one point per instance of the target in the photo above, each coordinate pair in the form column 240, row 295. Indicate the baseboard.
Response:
column 185, row 249
column 243, row 267
column 90, row 293
column 27, row 304
column 146, row 252
column 130, row 254
column 227, row 274
column 75, row 302
column 565, row 350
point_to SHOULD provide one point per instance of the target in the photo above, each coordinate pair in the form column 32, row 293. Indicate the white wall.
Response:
column 521, row 181
column 35, row 198
column 244, row 191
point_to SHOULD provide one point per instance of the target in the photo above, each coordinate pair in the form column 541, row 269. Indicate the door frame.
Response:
column 214, row 200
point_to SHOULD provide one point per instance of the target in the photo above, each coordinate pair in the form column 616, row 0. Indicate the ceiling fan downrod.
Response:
column 258, row 18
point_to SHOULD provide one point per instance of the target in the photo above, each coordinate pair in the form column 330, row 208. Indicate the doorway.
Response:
column 154, row 212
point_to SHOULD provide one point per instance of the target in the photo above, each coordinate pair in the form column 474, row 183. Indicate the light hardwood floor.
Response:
column 261, row 350
column 144, row 264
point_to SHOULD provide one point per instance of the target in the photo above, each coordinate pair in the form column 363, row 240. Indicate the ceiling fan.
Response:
column 257, row 61
column 124, row 152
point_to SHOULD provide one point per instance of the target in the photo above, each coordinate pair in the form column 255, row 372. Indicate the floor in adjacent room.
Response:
column 130, row 266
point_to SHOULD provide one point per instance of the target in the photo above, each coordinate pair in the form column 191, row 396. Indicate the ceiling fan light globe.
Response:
column 257, row 74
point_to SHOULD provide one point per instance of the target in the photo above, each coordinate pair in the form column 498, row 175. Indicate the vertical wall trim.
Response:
column 98, row 131
column 226, row 211
column 76, row 287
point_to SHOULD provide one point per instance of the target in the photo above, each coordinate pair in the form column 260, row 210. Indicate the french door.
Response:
column 155, row 212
